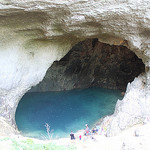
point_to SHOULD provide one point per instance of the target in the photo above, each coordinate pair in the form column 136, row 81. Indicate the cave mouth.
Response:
column 91, row 75
column 91, row 63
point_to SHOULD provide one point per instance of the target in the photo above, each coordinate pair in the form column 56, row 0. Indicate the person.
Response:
column 94, row 131
column 97, row 129
column 72, row 136
column 87, row 129
column 80, row 136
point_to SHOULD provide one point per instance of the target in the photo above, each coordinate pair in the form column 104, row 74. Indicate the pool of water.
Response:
column 63, row 111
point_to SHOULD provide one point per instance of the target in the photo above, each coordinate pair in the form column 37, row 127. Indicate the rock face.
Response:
column 134, row 107
column 92, row 64
column 6, row 129
column 35, row 33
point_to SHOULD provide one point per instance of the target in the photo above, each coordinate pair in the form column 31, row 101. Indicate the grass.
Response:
column 30, row 144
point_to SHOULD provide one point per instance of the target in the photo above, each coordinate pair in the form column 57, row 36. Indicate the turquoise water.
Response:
column 63, row 111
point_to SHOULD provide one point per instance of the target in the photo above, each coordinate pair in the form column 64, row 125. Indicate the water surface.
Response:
column 63, row 111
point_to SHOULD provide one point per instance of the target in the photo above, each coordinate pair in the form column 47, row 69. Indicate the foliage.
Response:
column 30, row 144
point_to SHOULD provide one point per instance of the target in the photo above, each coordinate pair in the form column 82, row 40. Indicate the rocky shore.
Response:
column 135, row 138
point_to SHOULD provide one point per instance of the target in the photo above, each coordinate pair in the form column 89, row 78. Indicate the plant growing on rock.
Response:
column 49, row 131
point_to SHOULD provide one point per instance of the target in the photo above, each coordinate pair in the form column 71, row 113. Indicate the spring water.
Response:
column 63, row 111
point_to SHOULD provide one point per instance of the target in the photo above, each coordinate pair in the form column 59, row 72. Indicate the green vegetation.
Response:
column 30, row 144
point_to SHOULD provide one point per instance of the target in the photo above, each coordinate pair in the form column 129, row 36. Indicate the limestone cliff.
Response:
column 35, row 33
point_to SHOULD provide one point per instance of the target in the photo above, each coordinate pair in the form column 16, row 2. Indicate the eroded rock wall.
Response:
column 35, row 33
column 25, row 56
column 92, row 64
column 133, row 109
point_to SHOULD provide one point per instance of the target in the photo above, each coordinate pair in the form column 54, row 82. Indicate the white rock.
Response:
column 35, row 33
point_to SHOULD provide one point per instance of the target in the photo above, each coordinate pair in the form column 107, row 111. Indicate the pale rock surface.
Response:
column 133, row 108
column 6, row 129
column 34, row 33
column 127, row 140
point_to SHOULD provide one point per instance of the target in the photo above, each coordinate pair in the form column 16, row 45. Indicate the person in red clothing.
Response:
column 80, row 136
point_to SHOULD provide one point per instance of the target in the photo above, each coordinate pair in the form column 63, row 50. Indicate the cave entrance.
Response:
column 90, row 79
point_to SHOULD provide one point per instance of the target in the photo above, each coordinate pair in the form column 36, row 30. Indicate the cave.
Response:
column 91, row 63
column 89, row 66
